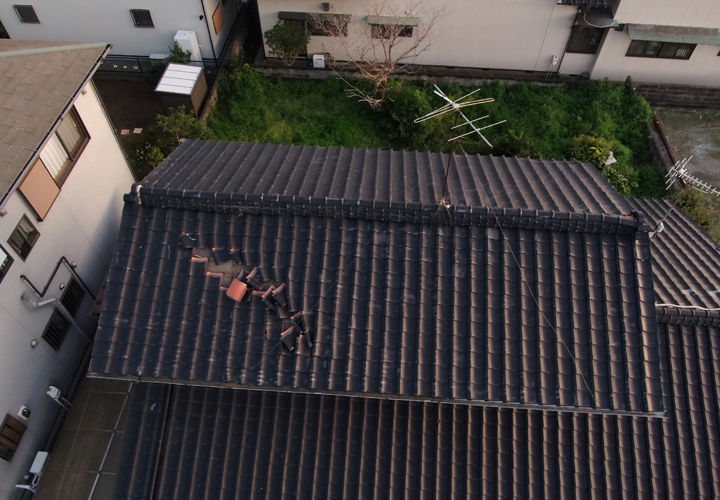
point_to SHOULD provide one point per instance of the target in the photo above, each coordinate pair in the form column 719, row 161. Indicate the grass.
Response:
column 542, row 121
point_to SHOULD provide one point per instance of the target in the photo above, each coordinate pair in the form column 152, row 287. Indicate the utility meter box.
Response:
column 187, row 40
column 318, row 61
column 182, row 85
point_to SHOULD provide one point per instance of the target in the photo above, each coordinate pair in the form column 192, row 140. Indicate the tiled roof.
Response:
column 685, row 259
column 413, row 308
column 37, row 82
column 591, row 3
column 228, row 444
column 380, row 176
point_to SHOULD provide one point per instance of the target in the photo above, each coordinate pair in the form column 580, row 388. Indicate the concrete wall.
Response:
column 110, row 21
column 697, row 13
column 702, row 68
column 82, row 226
column 498, row 34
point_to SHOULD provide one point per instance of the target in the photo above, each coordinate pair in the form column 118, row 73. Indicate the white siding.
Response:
column 110, row 21
column 697, row 13
column 497, row 34
column 703, row 67
column 82, row 226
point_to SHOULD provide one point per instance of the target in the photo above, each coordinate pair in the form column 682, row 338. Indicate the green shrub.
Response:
column 177, row 55
column 693, row 203
column 286, row 41
column 146, row 158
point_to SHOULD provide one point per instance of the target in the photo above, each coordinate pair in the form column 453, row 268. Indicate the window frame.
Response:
column 406, row 31
column 76, row 151
column 639, row 48
column 136, row 20
column 24, row 18
column 6, row 264
column 218, row 14
column 28, row 240
column 581, row 38
column 11, row 433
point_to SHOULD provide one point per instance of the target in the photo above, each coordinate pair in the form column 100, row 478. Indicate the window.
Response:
column 3, row 31
column 23, row 238
column 391, row 31
column 329, row 25
column 56, row 330
column 218, row 19
column 584, row 39
column 26, row 13
column 142, row 18
column 72, row 297
column 318, row 24
column 663, row 50
column 5, row 263
column 11, row 433
column 64, row 147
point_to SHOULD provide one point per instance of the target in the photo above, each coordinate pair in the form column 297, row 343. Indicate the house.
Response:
column 667, row 43
column 309, row 322
column 141, row 29
column 61, row 172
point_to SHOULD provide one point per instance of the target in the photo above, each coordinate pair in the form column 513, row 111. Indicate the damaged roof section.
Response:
column 438, row 310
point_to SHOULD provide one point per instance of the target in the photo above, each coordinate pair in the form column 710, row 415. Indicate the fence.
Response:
column 142, row 64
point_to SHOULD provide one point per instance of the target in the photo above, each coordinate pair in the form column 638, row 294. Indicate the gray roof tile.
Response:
column 403, row 301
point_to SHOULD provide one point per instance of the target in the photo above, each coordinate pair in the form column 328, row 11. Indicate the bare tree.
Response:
column 396, row 32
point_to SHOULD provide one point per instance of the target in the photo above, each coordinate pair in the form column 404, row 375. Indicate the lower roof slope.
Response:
column 396, row 309
column 685, row 259
column 231, row 444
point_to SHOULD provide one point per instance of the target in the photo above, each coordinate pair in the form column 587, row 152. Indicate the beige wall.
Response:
column 698, row 13
column 81, row 225
column 703, row 67
column 498, row 34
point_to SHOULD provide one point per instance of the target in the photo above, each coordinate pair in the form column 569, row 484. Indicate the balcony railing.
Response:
column 143, row 64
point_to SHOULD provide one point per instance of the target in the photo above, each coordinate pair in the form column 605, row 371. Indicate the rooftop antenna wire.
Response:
column 455, row 106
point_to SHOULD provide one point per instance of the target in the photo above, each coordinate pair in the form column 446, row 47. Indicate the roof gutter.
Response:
column 70, row 104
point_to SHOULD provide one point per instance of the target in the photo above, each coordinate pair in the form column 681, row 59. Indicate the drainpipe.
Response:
column 207, row 25
column 70, row 266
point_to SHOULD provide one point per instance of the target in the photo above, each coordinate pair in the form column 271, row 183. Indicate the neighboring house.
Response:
column 308, row 322
column 61, row 173
column 666, row 42
column 140, row 29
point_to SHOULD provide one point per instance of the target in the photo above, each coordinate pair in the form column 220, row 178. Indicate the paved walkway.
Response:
column 84, row 460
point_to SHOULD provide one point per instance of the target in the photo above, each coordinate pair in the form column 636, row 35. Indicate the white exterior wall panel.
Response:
column 497, row 34
column 82, row 226
column 703, row 67
column 692, row 13
column 110, row 21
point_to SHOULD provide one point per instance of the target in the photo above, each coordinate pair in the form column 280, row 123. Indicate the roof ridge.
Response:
column 687, row 315
column 56, row 48
column 387, row 211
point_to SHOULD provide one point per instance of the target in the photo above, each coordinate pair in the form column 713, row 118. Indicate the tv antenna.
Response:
column 680, row 171
column 455, row 107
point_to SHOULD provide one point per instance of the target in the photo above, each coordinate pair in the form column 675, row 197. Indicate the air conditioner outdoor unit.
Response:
column 318, row 61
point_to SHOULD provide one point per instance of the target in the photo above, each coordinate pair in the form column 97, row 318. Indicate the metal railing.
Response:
column 143, row 64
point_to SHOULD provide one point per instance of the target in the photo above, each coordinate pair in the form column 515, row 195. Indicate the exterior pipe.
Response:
column 63, row 260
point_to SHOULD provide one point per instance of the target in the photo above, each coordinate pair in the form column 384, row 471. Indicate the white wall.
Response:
column 110, row 21
column 696, row 13
column 82, row 226
column 703, row 67
column 498, row 34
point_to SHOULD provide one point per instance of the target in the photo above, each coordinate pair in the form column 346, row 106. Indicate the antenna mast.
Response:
column 455, row 106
